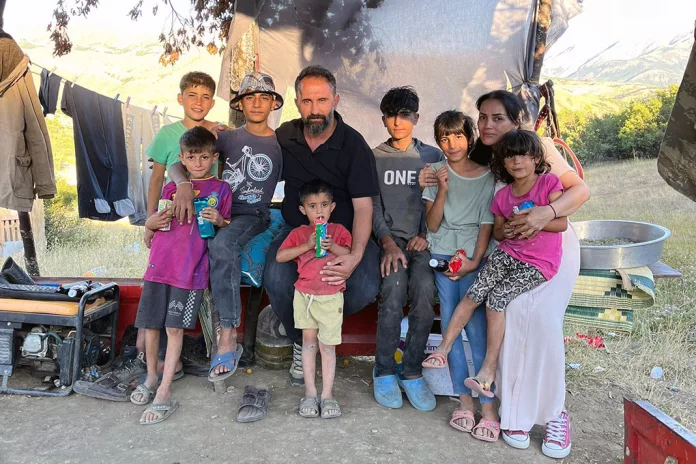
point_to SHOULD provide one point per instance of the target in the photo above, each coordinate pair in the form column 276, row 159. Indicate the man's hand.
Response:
column 182, row 205
column 215, row 128
column 443, row 178
column 211, row 214
column 417, row 243
column 391, row 257
column 427, row 177
column 158, row 221
column 339, row 269
column 468, row 266
column 149, row 234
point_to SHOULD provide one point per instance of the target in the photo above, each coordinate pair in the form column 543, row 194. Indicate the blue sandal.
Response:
column 230, row 359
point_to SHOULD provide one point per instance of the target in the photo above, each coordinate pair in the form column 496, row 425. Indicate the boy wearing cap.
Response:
column 252, row 164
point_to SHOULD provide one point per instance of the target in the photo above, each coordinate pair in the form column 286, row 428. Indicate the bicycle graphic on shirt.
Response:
column 258, row 166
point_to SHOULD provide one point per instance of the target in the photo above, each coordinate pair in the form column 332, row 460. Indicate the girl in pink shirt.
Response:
column 519, row 264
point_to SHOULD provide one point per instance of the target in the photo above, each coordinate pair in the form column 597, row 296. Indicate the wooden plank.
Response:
column 662, row 271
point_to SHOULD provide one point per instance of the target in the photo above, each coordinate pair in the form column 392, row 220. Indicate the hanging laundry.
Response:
column 48, row 92
column 140, row 127
column 100, row 154
column 26, row 160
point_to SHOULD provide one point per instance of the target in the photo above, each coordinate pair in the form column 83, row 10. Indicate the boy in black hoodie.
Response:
column 399, row 226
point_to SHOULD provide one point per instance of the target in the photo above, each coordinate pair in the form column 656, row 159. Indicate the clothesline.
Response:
column 65, row 81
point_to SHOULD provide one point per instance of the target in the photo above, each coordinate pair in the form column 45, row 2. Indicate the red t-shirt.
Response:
column 309, row 266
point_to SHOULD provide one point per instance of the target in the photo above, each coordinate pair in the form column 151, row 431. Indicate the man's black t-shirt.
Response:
column 344, row 161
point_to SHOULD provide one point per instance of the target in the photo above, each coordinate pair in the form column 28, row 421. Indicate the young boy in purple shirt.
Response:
column 178, row 271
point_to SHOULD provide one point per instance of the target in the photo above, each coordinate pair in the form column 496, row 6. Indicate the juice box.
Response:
column 321, row 235
column 205, row 229
column 162, row 205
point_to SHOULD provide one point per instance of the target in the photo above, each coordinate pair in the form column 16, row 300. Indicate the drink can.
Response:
column 205, row 229
column 523, row 206
column 455, row 263
column 162, row 205
column 320, row 228
column 439, row 264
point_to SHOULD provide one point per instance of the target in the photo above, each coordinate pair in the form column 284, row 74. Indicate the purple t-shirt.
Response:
column 179, row 256
column 543, row 251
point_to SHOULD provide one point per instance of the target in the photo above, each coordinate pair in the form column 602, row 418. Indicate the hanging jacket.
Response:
column 26, row 160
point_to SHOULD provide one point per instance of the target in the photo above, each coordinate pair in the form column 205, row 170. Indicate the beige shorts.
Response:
column 322, row 312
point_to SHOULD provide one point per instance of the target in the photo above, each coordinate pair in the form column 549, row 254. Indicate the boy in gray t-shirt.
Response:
column 251, row 164
column 399, row 226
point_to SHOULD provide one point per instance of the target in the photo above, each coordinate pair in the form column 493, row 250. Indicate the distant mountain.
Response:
column 654, row 64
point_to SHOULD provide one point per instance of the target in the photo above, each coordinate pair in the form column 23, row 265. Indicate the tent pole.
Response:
column 543, row 24
column 29, row 246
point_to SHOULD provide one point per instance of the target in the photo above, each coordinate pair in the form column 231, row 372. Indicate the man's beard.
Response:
column 317, row 123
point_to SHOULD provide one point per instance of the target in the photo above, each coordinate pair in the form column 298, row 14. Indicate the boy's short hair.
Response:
column 316, row 71
column 399, row 99
column 455, row 122
column 197, row 140
column 197, row 79
column 315, row 187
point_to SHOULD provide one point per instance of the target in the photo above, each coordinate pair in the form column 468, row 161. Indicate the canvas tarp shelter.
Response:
column 451, row 52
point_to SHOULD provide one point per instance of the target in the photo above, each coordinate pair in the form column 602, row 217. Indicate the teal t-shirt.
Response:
column 164, row 148
column 467, row 206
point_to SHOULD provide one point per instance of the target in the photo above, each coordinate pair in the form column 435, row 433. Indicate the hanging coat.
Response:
column 26, row 160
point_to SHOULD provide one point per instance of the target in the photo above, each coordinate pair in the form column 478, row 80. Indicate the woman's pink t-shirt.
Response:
column 543, row 251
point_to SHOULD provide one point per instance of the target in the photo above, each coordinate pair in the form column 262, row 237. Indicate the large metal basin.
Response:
column 649, row 241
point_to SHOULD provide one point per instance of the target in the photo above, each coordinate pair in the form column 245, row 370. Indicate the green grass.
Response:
column 664, row 335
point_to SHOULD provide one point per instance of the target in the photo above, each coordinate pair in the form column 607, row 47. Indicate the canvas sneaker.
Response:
column 296, row 372
column 516, row 438
column 557, row 437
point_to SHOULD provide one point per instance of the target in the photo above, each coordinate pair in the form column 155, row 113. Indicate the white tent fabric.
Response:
column 451, row 52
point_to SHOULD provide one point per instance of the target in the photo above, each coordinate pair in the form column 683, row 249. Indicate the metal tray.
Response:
column 649, row 238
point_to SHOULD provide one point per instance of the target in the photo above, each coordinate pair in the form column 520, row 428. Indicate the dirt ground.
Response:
column 77, row 429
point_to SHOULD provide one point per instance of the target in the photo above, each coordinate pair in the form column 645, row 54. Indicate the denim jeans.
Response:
column 279, row 281
column 451, row 293
column 225, row 263
column 416, row 283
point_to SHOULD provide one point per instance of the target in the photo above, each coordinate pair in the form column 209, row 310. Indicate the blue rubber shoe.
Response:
column 387, row 392
column 417, row 391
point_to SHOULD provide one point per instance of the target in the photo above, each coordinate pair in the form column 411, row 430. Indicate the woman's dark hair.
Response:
column 483, row 154
column 455, row 122
column 518, row 143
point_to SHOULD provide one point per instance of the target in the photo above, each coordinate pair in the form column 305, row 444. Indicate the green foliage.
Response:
column 634, row 131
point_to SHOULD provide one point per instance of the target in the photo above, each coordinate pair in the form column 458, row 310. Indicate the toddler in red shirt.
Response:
column 318, row 306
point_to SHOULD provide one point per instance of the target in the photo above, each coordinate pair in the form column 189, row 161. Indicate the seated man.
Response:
column 399, row 225
column 320, row 145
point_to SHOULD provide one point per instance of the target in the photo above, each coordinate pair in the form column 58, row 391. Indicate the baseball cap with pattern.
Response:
column 256, row 82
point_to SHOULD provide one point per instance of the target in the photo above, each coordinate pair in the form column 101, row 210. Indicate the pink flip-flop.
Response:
column 479, row 386
column 460, row 414
column 493, row 427
column 435, row 357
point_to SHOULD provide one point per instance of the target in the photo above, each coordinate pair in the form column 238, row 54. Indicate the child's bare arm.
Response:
column 288, row 254
column 339, row 250
column 499, row 228
column 559, row 224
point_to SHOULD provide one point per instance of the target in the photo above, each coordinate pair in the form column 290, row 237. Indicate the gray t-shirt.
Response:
column 252, row 166
column 467, row 206
column 399, row 210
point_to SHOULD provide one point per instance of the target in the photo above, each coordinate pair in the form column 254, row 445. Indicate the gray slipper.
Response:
column 162, row 411
column 254, row 404
column 312, row 403
column 146, row 392
column 328, row 405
